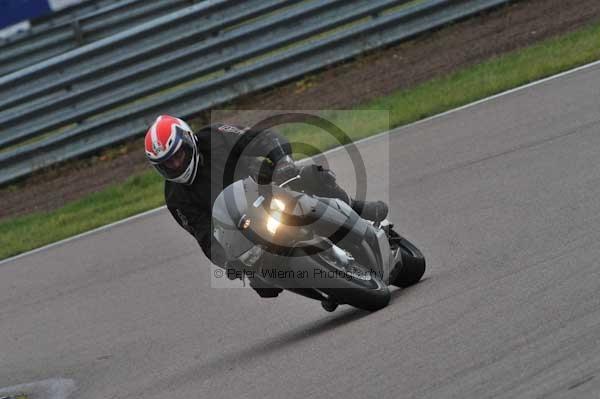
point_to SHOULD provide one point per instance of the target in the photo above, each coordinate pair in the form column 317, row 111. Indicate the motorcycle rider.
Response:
column 194, row 166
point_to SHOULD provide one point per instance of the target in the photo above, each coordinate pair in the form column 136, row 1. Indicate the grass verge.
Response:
column 144, row 191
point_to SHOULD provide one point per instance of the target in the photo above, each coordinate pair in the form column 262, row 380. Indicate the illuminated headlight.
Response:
column 273, row 222
column 277, row 204
column 250, row 257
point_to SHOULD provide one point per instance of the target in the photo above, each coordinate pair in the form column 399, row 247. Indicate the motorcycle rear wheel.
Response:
column 413, row 265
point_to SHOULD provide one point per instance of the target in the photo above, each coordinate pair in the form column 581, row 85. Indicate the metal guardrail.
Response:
column 78, row 28
column 74, row 11
column 161, row 70
column 190, row 61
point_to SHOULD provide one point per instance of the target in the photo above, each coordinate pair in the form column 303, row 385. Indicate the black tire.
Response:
column 362, row 298
column 413, row 265
column 368, row 294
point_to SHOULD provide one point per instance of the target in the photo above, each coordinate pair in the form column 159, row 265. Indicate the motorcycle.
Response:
column 281, row 237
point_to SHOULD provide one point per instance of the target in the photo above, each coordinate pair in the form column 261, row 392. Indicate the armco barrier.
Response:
column 190, row 61
column 73, row 30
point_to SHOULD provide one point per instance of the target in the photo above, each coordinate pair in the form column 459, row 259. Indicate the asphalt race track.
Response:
column 502, row 197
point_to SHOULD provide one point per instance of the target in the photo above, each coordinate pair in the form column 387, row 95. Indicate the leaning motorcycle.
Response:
column 317, row 247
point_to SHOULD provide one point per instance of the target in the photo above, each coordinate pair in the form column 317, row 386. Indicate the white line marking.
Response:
column 57, row 388
column 85, row 233
column 473, row 104
column 375, row 137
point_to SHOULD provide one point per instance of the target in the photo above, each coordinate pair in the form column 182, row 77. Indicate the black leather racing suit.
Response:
column 222, row 147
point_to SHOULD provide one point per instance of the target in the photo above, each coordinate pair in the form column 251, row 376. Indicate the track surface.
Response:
column 503, row 198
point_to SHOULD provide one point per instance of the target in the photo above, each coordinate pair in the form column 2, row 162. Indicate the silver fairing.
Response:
column 229, row 206
column 240, row 201
column 361, row 228
column 386, row 255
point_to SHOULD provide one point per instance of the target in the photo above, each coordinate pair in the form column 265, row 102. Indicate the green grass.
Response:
column 144, row 191
column 137, row 194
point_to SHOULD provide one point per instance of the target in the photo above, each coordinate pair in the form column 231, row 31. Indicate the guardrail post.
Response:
column 77, row 31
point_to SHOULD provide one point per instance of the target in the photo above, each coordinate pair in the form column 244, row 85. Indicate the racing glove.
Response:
column 285, row 169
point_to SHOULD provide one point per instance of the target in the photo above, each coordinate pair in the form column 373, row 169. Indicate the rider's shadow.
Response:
column 291, row 337
column 218, row 366
column 223, row 364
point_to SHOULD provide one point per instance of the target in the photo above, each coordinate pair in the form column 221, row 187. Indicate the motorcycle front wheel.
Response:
column 350, row 284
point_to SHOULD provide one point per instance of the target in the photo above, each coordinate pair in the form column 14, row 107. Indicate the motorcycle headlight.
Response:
column 277, row 204
column 273, row 223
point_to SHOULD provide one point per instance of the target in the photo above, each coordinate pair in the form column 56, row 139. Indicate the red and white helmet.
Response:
column 171, row 148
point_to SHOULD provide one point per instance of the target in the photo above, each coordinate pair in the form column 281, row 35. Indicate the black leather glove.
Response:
column 284, row 170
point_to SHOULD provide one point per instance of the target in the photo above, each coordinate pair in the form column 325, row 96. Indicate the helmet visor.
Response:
column 176, row 164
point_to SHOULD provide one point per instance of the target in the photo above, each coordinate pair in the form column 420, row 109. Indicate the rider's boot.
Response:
column 264, row 290
column 375, row 211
